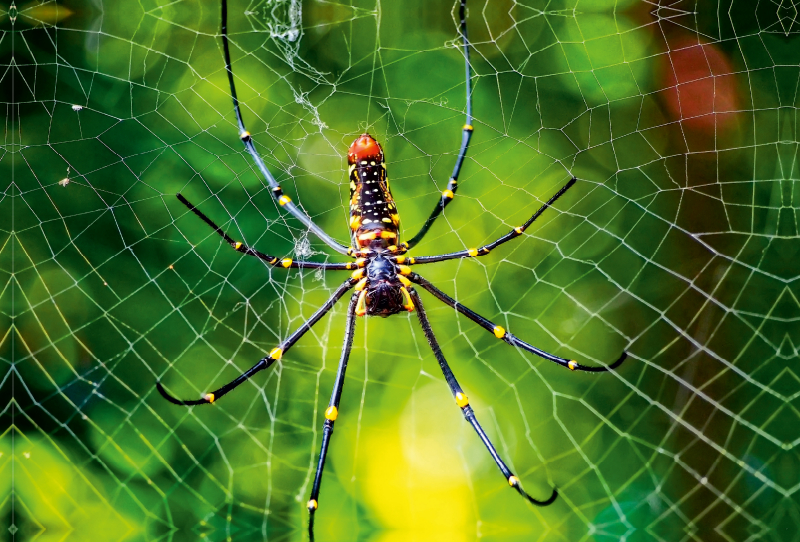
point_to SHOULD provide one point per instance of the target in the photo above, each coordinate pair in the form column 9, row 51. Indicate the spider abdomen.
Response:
column 373, row 213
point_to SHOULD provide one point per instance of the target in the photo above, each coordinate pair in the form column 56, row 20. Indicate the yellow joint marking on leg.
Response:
column 400, row 259
column 404, row 244
column 287, row 262
column 237, row 245
column 283, row 200
column 462, row 400
column 408, row 304
column 349, row 251
column 404, row 269
column 404, row 280
column 518, row 229
column 499, row 332
column 572, row 365
column 273, row 260
column 332, row 413
column 361, row 262
column 361, row 307
column 448, row 194
column 244, row 136
column 452, row 182
column 473, row 252
column 468, row 127
column 513, row 481
column 209, row 397
column 348, row 266
column 361, row 284
column 358, row 274
column 312, row 504
column 276, row 354
column 392, row 248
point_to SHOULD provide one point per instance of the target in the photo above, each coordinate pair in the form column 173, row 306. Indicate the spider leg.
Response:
column 244, row 135
column 267, row 361
column 501, row 333
column 466, row 410
column 466, row 134
column 485, row 249
column 332, row 411
column 274, row 261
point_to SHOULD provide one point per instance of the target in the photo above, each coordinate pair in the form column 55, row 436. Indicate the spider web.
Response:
column 678, row 244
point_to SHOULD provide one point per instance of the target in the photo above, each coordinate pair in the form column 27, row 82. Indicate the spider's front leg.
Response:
column 463, row 403
column 332, row 412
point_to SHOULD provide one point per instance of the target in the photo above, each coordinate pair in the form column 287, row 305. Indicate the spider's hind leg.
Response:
column 274, row 261
column 466, row 409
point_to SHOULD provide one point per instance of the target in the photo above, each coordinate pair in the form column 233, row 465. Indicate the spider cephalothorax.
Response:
column 381, row 274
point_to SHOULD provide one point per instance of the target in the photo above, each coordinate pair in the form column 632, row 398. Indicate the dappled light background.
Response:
column 678, row 244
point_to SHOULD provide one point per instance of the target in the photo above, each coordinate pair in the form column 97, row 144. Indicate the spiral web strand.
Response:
column 679, row 244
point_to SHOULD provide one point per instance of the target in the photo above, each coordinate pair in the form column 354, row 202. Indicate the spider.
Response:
column 381, row 277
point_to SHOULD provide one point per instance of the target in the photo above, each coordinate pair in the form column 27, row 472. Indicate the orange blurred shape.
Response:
column 700, row 86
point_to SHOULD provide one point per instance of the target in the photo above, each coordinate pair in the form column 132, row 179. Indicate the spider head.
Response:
column 384, row 298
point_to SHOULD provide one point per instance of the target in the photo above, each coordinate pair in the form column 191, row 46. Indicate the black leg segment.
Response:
column 504, row 335
column 267, row 361
column 463, row 402
column 466, row 134
column 332, row 412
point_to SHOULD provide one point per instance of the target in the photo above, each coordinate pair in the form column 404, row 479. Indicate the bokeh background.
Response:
column 679, row 244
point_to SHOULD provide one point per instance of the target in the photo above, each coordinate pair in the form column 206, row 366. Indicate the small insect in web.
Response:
column 382, row 278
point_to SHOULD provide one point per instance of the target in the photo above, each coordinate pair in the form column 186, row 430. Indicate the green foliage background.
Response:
column 679, row 244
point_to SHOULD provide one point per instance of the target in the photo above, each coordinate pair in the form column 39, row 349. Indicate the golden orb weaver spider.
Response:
column 381, row 274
